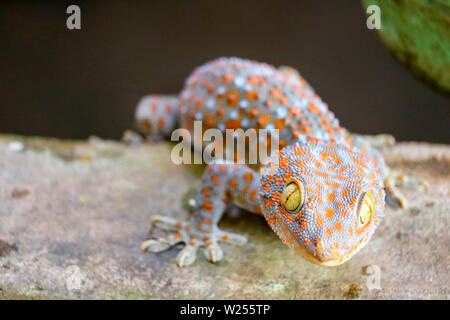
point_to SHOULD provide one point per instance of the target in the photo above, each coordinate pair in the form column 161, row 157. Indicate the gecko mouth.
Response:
column 298, row 247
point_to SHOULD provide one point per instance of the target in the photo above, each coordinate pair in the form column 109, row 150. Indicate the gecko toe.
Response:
column 187, row 256
column 153, row 245
column 213, row 252
column 232, row 238
column 167, row 223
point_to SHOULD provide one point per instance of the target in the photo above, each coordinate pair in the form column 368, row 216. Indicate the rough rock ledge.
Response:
column 73, row 214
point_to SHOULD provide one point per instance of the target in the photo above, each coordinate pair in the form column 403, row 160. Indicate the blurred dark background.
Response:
column 75, row 83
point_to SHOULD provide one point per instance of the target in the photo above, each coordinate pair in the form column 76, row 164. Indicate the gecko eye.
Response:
column 292, row 196
column 365, row 209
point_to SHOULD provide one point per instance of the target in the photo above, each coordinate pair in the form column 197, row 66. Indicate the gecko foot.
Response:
column 193, row 237
column 408, row 181
column 380, row 141
column 393, row 196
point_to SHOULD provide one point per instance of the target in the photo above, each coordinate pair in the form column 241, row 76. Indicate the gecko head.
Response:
column 323, row 200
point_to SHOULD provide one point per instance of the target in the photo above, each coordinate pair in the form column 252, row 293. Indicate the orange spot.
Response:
column 161, row 122
column 312, row 139
column 206, row 191
column 318, row 164
column 329, row 232
column 313, row 108
column 220, row 112
column 331, row 184
column 304, row 224
column 199, row 102
column 232, row 98
column 328, row 155
column 264, row 119
column 318, row 244
column 146, row 123
column 283, row 100
column 301, row 164
column 338, row 226
column 275, row 92
column 331, row 196
column 207, row 205
column 288, row 174
column 253, row 195
column 177, row 235
column 299, row 151
column 276, row 196
column 359, row 162
column 344, row 178
column 211, row 87
column 319, row 220
column 253, row 112
column 295, row 112
column 256, row 80
column 207, row 221
column 268, row 103
column 251, row 95
column 322, row 174
column 329, row 213
column 209, row 120
column 279, row 123
column 215, row 179
column 248, row 177
column 233, row 124
column 346, row 192
column 233, row 183
column 284, row 162
column 227, row 78
column 289, row 218
column 343, row 213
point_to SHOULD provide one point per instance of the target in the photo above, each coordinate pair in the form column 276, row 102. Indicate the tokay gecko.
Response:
column 323, row 191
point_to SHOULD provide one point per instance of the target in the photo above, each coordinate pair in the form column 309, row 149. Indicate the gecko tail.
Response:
column 157, row 115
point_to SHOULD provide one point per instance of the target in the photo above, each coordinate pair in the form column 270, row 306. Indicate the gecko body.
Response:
column 322, row 192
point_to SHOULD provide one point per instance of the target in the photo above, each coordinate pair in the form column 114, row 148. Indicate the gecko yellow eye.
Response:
column 365, row 209
column 292, row 197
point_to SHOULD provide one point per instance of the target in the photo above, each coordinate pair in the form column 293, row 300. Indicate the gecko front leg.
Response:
column 221, row 182
column 392, row 179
